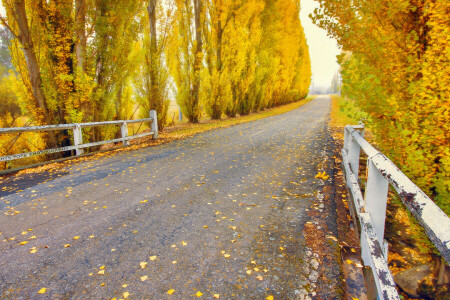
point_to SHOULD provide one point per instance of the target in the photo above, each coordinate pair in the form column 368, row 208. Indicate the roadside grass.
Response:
column 177, row 131
column 408, row 243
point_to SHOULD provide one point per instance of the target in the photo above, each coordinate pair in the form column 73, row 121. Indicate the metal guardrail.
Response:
column 78, row 145
column 371, row 209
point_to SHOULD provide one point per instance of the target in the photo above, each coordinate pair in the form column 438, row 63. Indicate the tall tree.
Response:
column 398, row 74
column 18, row 18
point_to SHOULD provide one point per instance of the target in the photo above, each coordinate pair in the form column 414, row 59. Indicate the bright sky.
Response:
column 322, row 49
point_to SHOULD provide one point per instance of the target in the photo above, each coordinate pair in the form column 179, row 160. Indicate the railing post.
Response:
column 78, row 139
column 375, row 201
column 124, row 131
column 352, row 147
column 154, row 126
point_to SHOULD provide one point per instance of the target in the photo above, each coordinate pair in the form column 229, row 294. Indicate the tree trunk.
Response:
column 156, row 103
column 26, row 41
column 197, row 61
column 80, row 31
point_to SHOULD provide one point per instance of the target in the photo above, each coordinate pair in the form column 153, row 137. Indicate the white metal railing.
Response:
column 78, row 145
column 371, row 209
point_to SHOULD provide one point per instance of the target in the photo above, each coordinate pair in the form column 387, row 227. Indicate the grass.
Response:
column 344, row 112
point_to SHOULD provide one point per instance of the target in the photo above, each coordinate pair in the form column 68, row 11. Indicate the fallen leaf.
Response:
column 349, row 261
column 143, row 264
column 331, row 237
column 256, row 269
column 248, row 272
column 259, row 277
column 24, row 243
column 269, row 297
column 66, row 245
column 226, row 255
column 33, row 250
column 124, row 285
column 199, row 294
column 125, row 295
column 153, row 257
column 144, row 278
column 183, row 243
column 101, row 272
column 171, row 291
column 91, row 236
column 76, row 237
column 216, row 296
column 42, row 291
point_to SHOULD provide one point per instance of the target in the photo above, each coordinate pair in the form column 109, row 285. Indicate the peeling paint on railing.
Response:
column 371, row 210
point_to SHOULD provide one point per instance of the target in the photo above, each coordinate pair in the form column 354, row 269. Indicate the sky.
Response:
column 322, row 49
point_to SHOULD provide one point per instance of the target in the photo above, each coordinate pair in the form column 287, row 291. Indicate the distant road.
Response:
column 223, row 212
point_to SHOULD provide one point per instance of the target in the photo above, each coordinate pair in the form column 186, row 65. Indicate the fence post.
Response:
column 375, row 201
column 78, row 139
column 354, row 149
column 154, row 126
column 124, row 131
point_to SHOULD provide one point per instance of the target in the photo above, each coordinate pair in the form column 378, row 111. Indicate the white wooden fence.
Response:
column 371, row 209
column 78, row 144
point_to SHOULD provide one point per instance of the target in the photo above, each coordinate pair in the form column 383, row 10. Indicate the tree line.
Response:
column 396, row 67
column 96, row 60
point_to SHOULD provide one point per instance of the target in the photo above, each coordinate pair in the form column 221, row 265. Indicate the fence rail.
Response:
column 78, row 144
column 370, row 210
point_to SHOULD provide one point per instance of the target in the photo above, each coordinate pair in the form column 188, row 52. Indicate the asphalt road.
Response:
column 222, row 213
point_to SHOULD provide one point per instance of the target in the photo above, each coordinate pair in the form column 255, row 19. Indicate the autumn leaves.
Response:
column 396, row 70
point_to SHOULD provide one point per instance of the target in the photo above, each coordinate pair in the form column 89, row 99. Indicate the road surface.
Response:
column 230, row 213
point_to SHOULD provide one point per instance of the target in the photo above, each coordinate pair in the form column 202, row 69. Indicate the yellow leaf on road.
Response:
column 153, row 257
column 143, row 264
column 199, row 294
column 216, row 296
column 42, row 291
column 248, row 272
column 171, row 291
column 125, row 295
column 101, row 272
column 24, row 243
column 183, row 243
column 226, row 255
column 259, row 277
column 76, row 237
column 331, row 237
column 269, row 297
column 144, row 278
column 66, row 245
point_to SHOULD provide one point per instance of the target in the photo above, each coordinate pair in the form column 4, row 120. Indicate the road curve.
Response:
column 222, row 213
